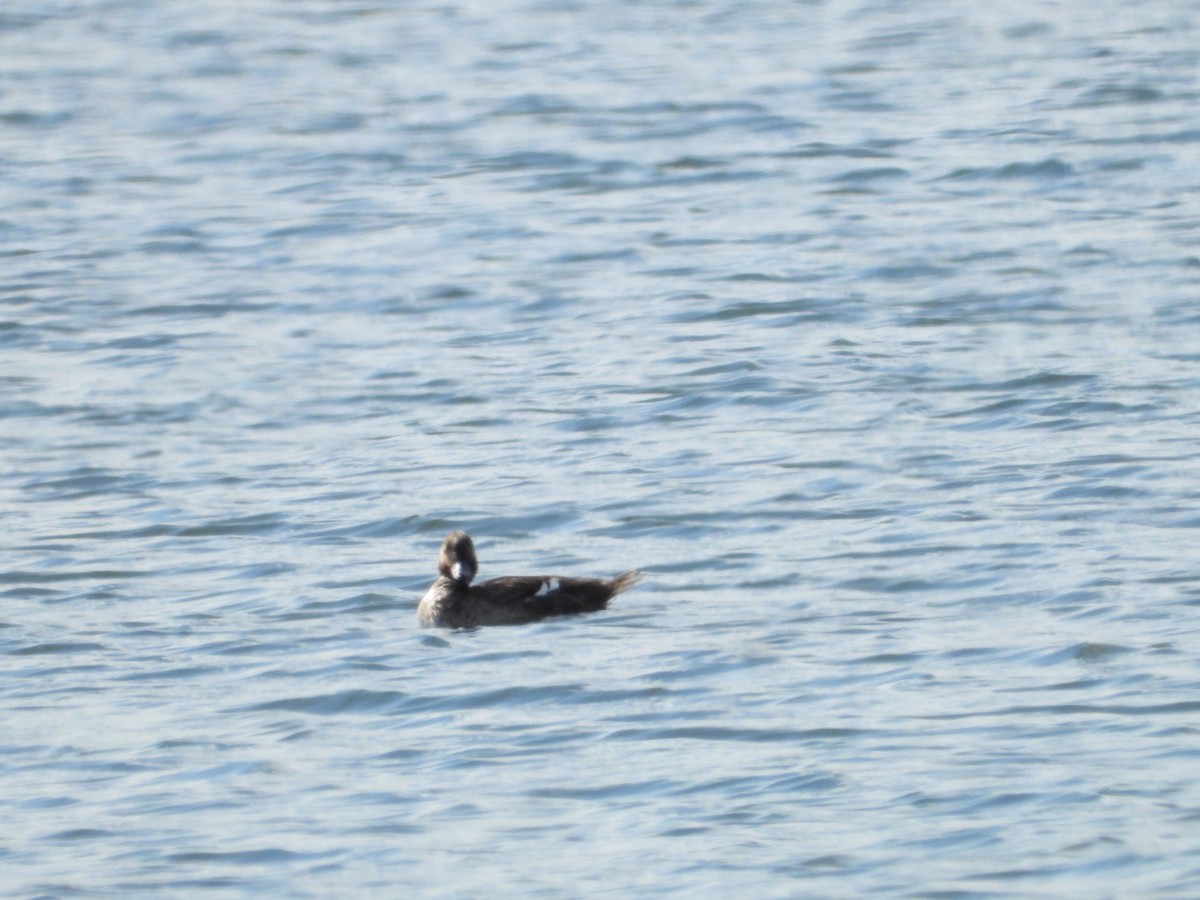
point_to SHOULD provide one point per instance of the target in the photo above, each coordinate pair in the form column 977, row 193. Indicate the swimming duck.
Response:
column 452, row 602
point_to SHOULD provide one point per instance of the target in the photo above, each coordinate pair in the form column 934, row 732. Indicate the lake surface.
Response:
column 868, row 330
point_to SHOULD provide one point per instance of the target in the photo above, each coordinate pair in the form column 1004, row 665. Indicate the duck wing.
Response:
column 527, row 598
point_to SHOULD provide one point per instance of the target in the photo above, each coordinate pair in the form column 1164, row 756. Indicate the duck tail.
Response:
column 625, row 581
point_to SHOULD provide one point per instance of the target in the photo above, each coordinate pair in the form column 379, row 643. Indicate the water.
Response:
column 866, row 329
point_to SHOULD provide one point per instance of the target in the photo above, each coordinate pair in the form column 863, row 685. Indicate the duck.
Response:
column 453, row 602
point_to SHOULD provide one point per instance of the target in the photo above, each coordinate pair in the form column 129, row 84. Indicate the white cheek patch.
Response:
column 550, row 584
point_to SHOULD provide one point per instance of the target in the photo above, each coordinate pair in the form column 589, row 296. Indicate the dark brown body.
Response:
column 453, row 602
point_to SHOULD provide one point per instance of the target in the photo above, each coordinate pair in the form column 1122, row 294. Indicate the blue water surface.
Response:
column 866, row 329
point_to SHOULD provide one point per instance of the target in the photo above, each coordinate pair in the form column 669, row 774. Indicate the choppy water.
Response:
column 867, row 329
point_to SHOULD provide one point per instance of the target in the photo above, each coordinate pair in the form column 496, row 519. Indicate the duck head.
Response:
column 456, row 560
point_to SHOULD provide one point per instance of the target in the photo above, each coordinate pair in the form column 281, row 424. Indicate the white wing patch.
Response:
column 550, row 584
